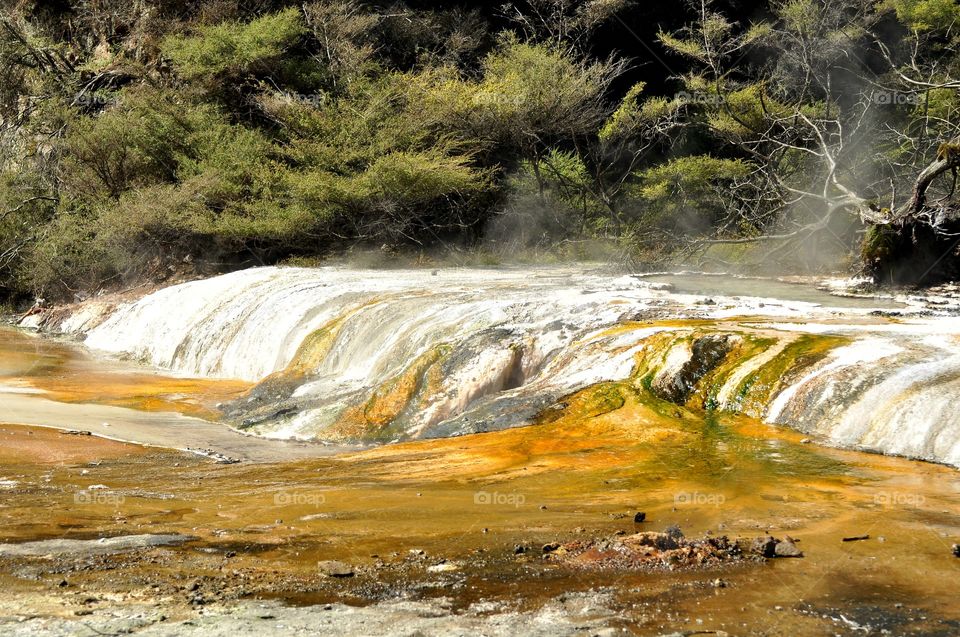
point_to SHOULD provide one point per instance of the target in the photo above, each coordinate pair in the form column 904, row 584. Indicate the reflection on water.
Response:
column 64, row 372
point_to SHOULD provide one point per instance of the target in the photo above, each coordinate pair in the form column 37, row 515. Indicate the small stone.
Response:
column 333, row 568
column 674, row 532
column 956, row 550
column 640, row 517
column 786, row 548
column 551, row 547
column 660, row 541
column 519, row 549
column 805, row 441
column 446, row 567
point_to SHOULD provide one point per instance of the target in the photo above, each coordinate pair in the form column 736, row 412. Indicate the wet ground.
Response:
column 53, row 383
column 447, row 536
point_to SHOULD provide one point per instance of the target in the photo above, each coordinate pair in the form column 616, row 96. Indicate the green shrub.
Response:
column 925, row 15
column 234, row 46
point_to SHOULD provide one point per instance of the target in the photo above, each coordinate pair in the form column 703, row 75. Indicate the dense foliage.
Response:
column 141, row 139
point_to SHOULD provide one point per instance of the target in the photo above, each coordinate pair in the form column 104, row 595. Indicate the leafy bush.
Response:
column 925, row 15
column 683, row 192
column 234, row 46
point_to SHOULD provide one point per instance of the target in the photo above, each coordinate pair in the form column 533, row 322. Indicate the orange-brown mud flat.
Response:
column 448, row 536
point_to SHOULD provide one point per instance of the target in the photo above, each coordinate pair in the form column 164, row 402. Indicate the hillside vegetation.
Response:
column 141, row 139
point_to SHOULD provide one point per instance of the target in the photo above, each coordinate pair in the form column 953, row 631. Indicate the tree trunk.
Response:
column 905, row 247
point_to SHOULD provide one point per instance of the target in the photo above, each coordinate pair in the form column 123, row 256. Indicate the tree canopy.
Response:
column 143, row 140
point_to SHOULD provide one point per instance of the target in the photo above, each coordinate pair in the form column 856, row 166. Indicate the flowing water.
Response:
column 595, row 396
column 383, row 356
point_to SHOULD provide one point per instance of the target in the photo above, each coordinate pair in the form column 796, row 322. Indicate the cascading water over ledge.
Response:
column 381, row 356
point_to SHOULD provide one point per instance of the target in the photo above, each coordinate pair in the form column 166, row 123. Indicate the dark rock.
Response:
column 674, row 532
column 706, row 353
column 956, row 550
column 640, row 517
column 764, row 546
column 551, row 547
column 660, row 541
column 519, row 549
